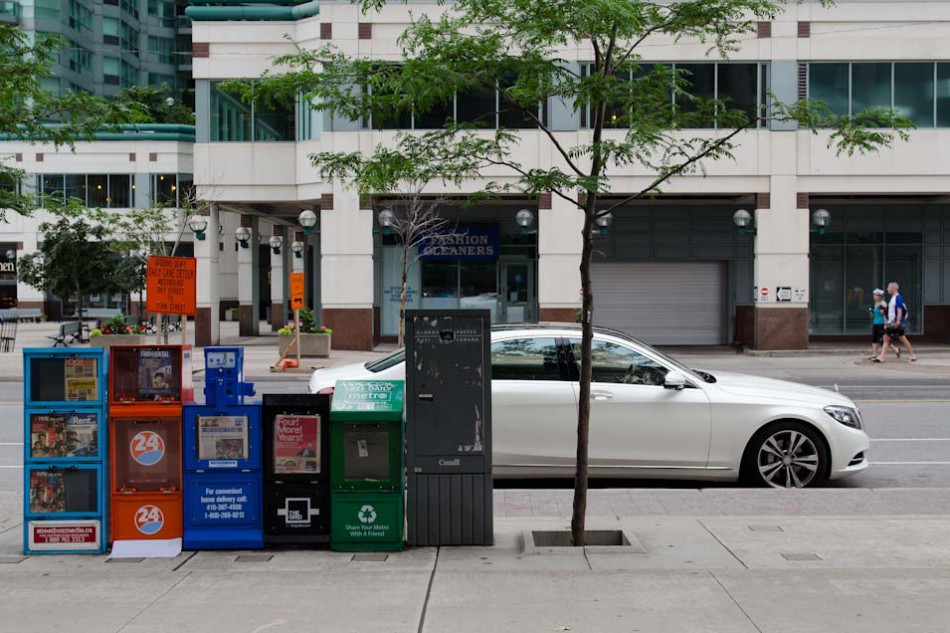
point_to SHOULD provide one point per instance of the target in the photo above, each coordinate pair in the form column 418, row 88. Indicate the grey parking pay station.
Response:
column 448, row 427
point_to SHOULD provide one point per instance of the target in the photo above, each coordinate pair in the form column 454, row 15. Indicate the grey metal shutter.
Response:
column 662, row 303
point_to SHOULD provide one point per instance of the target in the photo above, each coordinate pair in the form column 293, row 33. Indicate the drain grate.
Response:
column 253, row 558
column 766, row 528
column 11, row 560
column 801, row 556
column 371, row 557
column 124, row 560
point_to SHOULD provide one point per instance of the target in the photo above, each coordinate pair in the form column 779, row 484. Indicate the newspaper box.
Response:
column 65, row 507
column 223, row 506
column 296, row 474
column 148, row 386
column 366, row 495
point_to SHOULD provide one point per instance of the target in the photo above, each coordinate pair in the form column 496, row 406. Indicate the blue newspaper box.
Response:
column 64, row 451
column 222, row 462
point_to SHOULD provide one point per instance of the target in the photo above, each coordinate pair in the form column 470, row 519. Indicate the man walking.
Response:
column 896, row 320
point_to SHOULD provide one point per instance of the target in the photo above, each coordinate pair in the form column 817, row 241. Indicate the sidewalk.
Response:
column 769, row 570
column 831, row 363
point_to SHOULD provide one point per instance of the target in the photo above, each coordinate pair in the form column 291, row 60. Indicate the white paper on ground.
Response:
column 167, row 548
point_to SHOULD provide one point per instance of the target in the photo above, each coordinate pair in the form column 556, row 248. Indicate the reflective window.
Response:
column 232, row 119
column 700, row 80
column 525, row 359
column 738, row 87
column 914, row 92
column 165, row 190
column 943, row 95
column 613, row 363
column 870, row 86
column 477, row 108
column 97, row 186
column 120, row 191
column 830, row 83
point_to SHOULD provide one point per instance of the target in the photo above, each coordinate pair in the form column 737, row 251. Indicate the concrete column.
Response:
column 346, row 270
column 559, row 260
column 207, row 322
column 278, row 312
column 28, row 296
column 781, row 268
column 248, row 280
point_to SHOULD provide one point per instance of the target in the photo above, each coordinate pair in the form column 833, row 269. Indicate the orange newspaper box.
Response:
column 146, row 395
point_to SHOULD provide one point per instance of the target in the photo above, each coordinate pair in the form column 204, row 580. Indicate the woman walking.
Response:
column 878, row 312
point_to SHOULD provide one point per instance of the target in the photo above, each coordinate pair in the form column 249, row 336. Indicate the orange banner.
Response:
column 171, row 283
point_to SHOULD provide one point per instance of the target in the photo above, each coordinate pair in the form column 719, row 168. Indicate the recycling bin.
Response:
column 65, row 486
column 366, row 473
column 149, row 384
column 223, row 482
column 296, row 473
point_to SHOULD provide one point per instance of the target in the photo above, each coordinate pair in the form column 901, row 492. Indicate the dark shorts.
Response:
column 896, row 332
column 877, row 333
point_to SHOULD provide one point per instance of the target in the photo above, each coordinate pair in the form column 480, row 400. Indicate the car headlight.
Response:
column 845, row 415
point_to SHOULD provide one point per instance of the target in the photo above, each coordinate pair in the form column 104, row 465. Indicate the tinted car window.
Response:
column 525, row 359
column 615, row 363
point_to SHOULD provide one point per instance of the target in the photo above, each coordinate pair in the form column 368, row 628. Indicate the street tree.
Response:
column 27, row 109
column 640, row 117
column 74, row 257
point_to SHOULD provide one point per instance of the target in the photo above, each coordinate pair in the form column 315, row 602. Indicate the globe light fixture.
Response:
column 743, row 221
column 275, row 243
column 386, row 219
column 821, row 220
column 604, row 222
column 297, row 248
column 198, row 224
column 243, row 235
column 308, row 220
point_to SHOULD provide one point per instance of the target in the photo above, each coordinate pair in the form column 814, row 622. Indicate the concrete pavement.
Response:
column 773, row 572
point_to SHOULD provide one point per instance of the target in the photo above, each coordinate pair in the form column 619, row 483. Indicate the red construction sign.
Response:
column 171, row 284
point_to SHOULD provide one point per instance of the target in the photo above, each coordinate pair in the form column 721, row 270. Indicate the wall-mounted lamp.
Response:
column 297, row 248
column 308, row 220
column 820, row 220
column 386, row 219
column 275, row 243
column 604, row 222
column 525, row 220
column 243, row 235
column 743, row 221
column 198, row 224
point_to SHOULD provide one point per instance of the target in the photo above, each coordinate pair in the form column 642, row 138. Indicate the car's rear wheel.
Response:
column 786, row 455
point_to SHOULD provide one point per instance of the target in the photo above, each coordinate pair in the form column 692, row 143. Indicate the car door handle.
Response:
column 601, row 395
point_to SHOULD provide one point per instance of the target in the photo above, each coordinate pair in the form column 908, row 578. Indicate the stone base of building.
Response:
column 781, row 328
column 203, row 328
column 249, row 322
column 277, row 317
column 557, row 315
column 352, row 327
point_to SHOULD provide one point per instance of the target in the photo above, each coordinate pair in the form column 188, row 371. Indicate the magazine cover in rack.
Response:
column 157, row 379
column 47, row 491
column 222, row 437
column 81, row 381
column 297, row 444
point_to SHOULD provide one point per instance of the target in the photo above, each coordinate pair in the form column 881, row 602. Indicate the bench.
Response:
column 100, row 313
column 69, row 332
column 20, row 314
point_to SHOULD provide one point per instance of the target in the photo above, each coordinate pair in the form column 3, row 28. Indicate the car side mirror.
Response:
column 674, row 380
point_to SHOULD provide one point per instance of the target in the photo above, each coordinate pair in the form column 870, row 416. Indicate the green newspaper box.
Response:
column 366, row 472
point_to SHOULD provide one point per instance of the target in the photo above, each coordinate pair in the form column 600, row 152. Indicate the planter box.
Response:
column 107, row 340
column 311, row 345
column 230, row 315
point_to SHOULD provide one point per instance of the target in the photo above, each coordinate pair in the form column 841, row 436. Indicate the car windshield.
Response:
column 664, row 357
column 386, row 362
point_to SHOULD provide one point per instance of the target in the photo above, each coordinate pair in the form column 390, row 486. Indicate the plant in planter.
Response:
column 314, row 339
column 231, row 314
column 116, row 331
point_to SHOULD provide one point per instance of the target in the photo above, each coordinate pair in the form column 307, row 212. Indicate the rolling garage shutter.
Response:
column 662, row 303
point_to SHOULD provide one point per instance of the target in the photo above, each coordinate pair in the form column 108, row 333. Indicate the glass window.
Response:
column 230, row 117
column 50, row 85
column 75, row 186
column 829, row 83
column 53, row 185
column 110, row 30
column 870, row 86
column 386, row 118
column 510, row 115
column 738, row 86
column 164, row 189
column 477, row 108
column 274, row 123
column 434, row 118
column 700, row 82
column 439, row 285
column 120, row 191
column 613, row 363
column 914, row 92
column 110, row 70
column 98, row 188
column 478, row 283
column 525, row 359
column 943, row 95
column 46, row 8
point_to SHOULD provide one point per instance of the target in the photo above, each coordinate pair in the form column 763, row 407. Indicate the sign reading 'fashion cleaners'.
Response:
column 476, row 241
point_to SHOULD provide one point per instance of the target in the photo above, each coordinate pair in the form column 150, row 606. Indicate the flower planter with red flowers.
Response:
column 116, row 332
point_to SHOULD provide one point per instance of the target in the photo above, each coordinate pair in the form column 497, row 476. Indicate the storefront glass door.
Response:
column 518, row 292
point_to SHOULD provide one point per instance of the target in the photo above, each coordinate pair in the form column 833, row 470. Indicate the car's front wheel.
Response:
column 786, row 455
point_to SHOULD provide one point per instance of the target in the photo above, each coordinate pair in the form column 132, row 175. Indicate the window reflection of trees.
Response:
column 525, row 359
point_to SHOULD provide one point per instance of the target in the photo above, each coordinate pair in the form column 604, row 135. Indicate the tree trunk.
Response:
column 401, row 340
column 579, row 518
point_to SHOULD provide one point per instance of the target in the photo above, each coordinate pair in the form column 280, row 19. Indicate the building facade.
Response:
column 674, row 270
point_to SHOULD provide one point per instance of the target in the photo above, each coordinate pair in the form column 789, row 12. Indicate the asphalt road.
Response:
column 907, row 421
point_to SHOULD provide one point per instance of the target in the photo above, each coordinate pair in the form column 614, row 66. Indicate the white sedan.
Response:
column 651, row 417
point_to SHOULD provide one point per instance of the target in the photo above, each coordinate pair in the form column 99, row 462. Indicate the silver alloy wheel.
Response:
column 788, row 459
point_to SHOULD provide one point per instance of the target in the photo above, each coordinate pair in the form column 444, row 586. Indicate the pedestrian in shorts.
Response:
column 896, row 322
column 878, row 320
